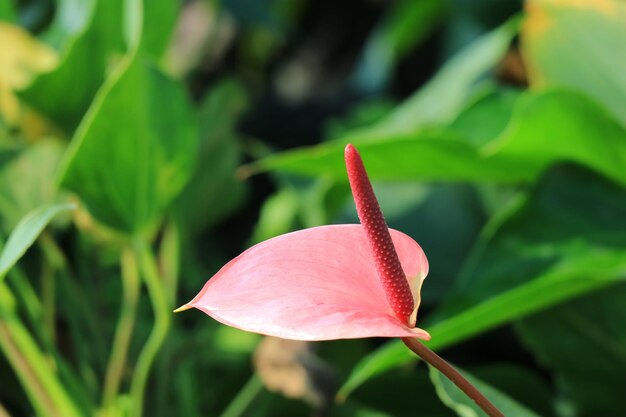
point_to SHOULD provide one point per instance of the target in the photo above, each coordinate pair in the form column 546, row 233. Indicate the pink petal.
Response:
column 314, row 284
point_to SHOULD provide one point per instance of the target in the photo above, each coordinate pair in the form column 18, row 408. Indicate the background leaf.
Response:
column 213, row 191
column 25, row 233
column 159, row 19
column 583, row 342
column 454, row 398
column 88, row 59
column 545, row 128
column 443, row 96
column 135, row 151
column 7, row 11
column 560, row 50
column 35, row 167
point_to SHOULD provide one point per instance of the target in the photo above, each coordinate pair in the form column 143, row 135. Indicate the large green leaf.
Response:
column 159, row 20
column 26, row 232
column 444, row 95
column 564, row 240
column 584, row 343
column 487, row 117
column 544, row 128
column 464, row 406
column 27, row 181
column 135, row 150
column 7, row 11
column 523, row 384
column 71, row 19
column 580, row 45
column 213, row 190
column 404, row 26
column 65, row 93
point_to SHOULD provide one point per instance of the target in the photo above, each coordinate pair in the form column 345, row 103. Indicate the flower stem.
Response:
column 41, row 383
column 162, row 309
column 244, row 398
column 452, row 374
column 125, row 325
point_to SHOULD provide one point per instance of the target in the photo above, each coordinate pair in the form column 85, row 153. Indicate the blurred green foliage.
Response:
column 143, row 144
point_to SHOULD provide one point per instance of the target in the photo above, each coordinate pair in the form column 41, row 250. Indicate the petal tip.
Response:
column 184, row 307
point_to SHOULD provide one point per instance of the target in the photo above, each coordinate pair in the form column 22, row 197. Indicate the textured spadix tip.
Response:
column 386, row 259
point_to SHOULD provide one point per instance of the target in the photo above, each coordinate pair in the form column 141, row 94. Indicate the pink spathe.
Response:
column 314, row 284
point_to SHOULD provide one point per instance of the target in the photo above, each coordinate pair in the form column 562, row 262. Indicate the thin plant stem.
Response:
column 169, row 257
column 32, row 307
column 453, row 375
column 244, row 398
column 169, row 263
column 67, row 284
column 41, row 383
column 30, row 303
column 48, row 290
column 125, row 325
column 162, row 320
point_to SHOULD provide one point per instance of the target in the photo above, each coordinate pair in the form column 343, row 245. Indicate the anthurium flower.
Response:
column 330, row 282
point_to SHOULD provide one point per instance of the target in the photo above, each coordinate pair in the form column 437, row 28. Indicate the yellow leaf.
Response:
column 22, row 58
column 578, row 44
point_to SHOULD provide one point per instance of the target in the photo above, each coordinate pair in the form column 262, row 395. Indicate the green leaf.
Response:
column 444, row 95
column 35, row 166
column 26, row 232
column 399, row 391
column 278, row 215
column 405, row 25
column 135, row 149
column 159, row 19
column 487, row 117
column 523, row 384
column 71, row 19
column 545, row 128
column 33, row 367
column 578, row 45
column 7, row 11
column 213, row 191
column 64, row 94
column 565, row 240
column 584, row 343
column 464, row 406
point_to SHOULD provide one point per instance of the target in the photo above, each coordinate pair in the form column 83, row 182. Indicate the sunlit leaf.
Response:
column 89, row 56
column 159, row 20
column 23, row 57
column 71, row 18
column 135, row 150
column 27, row 181
column 578, row 44
column 545, row 128
column 444, row 95
column 7, row 11
column 26, row 232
